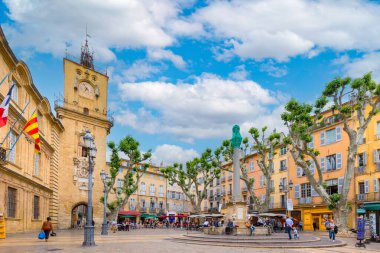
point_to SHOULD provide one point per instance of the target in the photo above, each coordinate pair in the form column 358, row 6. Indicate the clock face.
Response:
column 86, row 90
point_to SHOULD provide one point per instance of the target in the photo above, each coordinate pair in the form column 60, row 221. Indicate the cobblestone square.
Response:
column 144, row 241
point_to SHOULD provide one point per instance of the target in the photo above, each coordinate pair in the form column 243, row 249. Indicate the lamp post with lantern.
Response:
column 286, row 189
column 91, row 152
column 105, row 179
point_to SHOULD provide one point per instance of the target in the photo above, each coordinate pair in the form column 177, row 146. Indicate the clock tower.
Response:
column 84, row 107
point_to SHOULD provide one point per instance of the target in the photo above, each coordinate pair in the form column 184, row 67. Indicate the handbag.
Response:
column 53, row 234
column 41, row 235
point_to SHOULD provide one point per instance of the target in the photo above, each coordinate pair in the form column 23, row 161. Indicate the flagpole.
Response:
column 14, row 123
column 14, row 144
column 5, row 78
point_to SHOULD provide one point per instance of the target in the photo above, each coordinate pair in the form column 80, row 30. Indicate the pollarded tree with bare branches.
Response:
column 350, row 99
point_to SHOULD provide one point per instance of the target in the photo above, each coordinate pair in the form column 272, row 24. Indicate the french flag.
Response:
column 4, row 107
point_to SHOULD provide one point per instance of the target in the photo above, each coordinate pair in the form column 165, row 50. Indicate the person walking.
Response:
column 288, row 226
column 301, row 225
column 314, row 226
column 113, row 226
column 47, row 226
column 332, row 231
column 295, row 233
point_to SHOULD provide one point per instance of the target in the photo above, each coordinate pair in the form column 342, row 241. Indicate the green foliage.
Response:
column 334, row 199
column 136, row 166
column 207, row 166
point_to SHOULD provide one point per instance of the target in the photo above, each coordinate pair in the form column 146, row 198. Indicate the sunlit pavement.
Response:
column 141, row 241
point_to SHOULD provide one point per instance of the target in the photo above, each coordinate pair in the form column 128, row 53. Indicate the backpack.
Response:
column 335, row 229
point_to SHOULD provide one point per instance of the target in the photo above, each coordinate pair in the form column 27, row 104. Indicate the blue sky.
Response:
column 183, row 72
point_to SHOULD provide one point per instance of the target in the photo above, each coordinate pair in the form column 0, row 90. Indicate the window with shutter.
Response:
column 314, row 193
column 297, row 191
column 323, row 168
column 251, row 166
column 299, row 171
column 12, row 141
column 338, row 133
column 330, row 136
column 322, row 138
column 339, row 160
column 366, row 186
column 375, row 156
column 37, row 157
column 375, row 185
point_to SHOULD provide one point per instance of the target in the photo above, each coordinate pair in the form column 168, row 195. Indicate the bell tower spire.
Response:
column 87, row 57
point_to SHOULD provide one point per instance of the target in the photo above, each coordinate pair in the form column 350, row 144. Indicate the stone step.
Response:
column 245, row 241
column 317, row 244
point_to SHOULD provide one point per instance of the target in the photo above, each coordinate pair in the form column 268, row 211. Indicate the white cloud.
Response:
column 239, row 74
column 48, row 27
column 169, row 154
column 360, row 66
column 273, row 70
column 142, row 69
column 161, row 54
column 249, row 29
column 283, row 29
column 206, row 109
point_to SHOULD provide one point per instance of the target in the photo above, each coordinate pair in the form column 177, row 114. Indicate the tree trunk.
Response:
column 113, row 215
column 341, row 219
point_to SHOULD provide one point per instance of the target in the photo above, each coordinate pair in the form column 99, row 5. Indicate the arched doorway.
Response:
column 79, row 212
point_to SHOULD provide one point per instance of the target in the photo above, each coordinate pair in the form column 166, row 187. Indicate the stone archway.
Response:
column 79, row 212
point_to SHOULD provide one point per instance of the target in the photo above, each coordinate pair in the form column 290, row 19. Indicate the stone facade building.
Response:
column 54, row 183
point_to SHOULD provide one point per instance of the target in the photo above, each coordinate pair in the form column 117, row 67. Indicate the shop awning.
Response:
column 131, row 213
column 127, row 216
column 148, row 216
column 372, row 206
column 360, row 211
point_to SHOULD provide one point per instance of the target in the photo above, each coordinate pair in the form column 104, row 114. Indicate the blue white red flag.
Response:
column 4, row 107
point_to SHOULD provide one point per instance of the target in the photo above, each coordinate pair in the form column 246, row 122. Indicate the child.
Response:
column 295, row 232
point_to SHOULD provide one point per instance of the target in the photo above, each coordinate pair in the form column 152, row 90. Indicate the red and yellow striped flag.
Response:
column 31, row 128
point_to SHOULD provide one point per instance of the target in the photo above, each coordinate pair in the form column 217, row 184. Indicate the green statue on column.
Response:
column 236, row 137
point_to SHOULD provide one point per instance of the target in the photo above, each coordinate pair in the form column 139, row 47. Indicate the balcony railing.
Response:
column 283, row 168
column 212, row 184
column 230, row 178
column 373, row 196
column 142, row 209
column 278, row 205
column 223, row 179
column 211, row 197
column 306, row 200
column 205, row 208
column 152, row 210
column 360, row 170
column 244, row 189
column 229, row 192
column 271, row 189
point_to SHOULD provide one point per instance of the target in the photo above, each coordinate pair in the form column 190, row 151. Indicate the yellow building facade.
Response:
column 154, row 196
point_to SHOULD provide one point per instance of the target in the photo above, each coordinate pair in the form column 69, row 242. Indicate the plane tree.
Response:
column 347, row 99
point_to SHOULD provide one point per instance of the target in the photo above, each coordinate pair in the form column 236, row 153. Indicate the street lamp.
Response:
column 91, row 152
column 106, row 179
column 286, row 189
